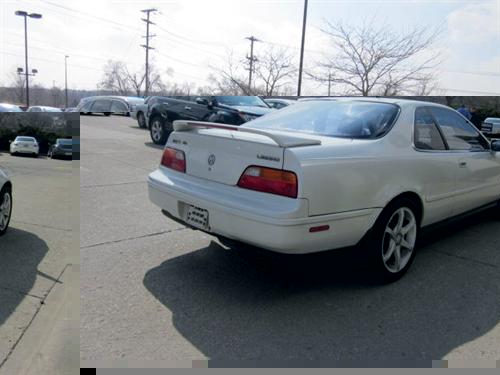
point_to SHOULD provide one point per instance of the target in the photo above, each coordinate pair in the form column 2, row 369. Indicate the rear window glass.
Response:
column 25, row 139
column 345, row 119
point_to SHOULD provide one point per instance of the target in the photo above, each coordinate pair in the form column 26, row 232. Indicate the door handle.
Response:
column 188, row 108
column 462, row 164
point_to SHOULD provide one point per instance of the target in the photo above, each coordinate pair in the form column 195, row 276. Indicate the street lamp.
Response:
column 26, row 15
column 66, row 79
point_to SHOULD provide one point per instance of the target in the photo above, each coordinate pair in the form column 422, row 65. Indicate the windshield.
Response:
column 346, row 119
column 135, row 100
column 241, row 101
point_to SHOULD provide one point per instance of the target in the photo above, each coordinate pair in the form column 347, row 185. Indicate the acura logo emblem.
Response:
column 211, row 159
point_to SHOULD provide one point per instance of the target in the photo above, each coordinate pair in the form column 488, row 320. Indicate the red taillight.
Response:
column 269, row 180
column 174, row 159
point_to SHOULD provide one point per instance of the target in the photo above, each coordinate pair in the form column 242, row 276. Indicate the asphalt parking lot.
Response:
column 39, row 268
column 154, row 290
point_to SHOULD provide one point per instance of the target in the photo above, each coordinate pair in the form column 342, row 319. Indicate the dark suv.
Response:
column 233, row 110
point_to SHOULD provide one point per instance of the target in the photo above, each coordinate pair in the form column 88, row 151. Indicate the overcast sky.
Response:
column 193, row 34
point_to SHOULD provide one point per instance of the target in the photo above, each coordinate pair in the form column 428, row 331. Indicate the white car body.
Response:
column 5, row 202
column 24, row 145
column 343, row 183
column 491, row 126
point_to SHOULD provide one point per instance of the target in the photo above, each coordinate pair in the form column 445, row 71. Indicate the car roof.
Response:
column 43, row 106
column 280, row 100
column 398, row 101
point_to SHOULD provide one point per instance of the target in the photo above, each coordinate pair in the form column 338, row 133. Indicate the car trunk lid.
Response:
column 221, row 153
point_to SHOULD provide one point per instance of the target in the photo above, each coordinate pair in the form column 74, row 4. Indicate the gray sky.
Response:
column 191, row 35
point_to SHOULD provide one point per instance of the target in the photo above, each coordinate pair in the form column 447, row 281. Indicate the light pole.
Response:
column 66, row 80
column 299, row 86
column 24, row 14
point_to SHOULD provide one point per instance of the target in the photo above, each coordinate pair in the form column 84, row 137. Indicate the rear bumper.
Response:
column 59, row 152
column 273, row 223
column 24, row 150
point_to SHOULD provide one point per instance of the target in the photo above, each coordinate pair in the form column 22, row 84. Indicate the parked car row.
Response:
column 6, row 107
column 158, row 113
column 29, row 146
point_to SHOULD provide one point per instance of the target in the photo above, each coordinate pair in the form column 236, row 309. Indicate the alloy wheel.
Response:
column 399, row 239
column 156, row 131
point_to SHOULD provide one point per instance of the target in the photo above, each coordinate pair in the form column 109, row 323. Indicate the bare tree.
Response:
column 115, row 78
column 367, row 59
column 273, row 72
column 118, row 78
column 275, row 69
column 136, row 79
column 19, row 86
column 230, row 78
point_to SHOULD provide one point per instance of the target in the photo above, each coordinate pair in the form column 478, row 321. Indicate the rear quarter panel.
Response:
column 370, row 173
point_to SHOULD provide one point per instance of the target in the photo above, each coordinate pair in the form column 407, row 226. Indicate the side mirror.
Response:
column 495, row 146
column 201, row 101
column 210, row 104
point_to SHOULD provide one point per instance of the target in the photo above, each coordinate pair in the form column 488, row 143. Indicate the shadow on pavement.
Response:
column 234, row 304
column 20, row 254
column 154, row 145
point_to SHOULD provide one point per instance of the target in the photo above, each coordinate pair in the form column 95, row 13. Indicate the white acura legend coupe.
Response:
column 5, row 202
column 328, row 174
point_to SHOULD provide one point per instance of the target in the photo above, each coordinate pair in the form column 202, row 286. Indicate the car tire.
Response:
column 159, row 130
column 6, row 191
column 390, row 247
column 141, row 120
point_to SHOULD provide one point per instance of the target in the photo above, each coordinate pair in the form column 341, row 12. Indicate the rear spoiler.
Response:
column 281, row 140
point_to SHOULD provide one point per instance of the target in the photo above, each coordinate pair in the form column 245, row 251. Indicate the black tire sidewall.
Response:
column 2, row 193
column 141, row 120
column 166, row 129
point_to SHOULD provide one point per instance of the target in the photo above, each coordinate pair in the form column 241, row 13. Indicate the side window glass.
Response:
column 458, row 132
column 426, row 133
column 101, row 106
column 119, row 107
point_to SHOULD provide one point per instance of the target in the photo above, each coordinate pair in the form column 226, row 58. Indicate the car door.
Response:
column 478, row 176
column 101, row 106
column 190, row 110
column 436, row 169
column 119, row 107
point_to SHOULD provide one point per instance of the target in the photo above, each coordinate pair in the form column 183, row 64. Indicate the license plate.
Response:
column 197, row 217
column 67, row 153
